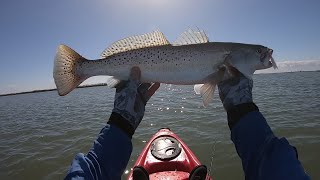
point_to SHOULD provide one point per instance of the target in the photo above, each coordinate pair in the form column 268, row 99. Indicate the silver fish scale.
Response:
column 166, row 64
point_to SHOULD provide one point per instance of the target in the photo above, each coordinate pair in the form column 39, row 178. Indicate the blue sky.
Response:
column 30, row 31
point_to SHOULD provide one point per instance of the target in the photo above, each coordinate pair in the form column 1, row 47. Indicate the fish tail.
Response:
column 65, row 72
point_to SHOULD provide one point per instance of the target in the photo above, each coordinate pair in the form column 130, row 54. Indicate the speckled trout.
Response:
column 190, row 60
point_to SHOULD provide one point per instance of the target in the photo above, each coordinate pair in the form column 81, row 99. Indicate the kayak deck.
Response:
column 166, row 155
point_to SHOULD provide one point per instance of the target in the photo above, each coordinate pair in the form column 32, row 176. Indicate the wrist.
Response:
column 123, row 124
column 238, row 111
column 236, row 101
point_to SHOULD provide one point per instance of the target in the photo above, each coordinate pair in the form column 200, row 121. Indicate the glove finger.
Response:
column 134, row 77
column 120, row 86
column 135, row 74
column 151, row 91
column 234, row 72
column 143, row 88
column 221, row 94
column 146, row 90
column 140, row 97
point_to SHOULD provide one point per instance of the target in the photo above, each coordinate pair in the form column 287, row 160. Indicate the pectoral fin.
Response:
column 112, row 82
column 206, row 91
column 197, row 88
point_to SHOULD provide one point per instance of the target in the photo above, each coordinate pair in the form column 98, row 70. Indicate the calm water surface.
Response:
column 42, row 132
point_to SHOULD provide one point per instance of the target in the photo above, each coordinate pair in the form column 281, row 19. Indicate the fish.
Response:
column 190, row 60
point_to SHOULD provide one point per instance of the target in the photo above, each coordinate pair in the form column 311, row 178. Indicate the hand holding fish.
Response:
column 236, row 96
column 130, row 101
column 235, row 91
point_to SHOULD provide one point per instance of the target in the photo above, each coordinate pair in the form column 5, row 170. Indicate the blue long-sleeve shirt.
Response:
column 107, row 159
column 263, row 155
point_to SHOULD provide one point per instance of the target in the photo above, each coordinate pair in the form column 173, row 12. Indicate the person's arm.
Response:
column 106, row 160
column 263, row 155
column 110, row 153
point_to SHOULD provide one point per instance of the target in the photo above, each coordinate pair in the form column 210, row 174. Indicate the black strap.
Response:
column 117, row 120
column 238, row 111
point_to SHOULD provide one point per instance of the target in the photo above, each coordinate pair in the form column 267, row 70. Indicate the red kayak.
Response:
column 166, row 156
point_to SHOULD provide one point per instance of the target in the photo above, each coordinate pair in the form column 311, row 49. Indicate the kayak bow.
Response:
column 166, row 156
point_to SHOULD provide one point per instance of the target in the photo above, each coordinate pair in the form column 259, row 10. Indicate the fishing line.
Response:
column 211, row 162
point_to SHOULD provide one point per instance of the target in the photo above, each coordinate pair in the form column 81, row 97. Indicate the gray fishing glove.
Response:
column 130, row 101
column 236, row 97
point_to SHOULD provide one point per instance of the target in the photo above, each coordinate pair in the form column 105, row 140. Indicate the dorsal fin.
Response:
column 191, row 36
column 155, row 38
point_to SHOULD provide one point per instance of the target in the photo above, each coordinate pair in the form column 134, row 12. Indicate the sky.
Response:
column 30, row 31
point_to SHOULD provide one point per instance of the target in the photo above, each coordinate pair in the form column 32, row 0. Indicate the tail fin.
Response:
column 64, row 71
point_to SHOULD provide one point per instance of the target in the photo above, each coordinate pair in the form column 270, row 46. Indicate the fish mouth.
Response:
column 271, row 60
column 267, row 60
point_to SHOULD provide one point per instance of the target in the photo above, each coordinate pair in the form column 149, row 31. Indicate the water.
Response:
column 40, row 133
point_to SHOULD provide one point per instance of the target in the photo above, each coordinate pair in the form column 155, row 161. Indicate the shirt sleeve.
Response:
column 107, row 159
column 263, row 155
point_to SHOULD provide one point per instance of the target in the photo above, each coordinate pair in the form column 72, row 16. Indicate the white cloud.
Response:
column 292, row 66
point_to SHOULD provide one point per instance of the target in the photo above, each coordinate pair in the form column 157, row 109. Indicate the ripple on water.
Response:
column 42, row 132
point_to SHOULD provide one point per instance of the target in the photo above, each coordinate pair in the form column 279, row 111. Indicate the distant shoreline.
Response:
column 46, row 90
column 105, row 84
